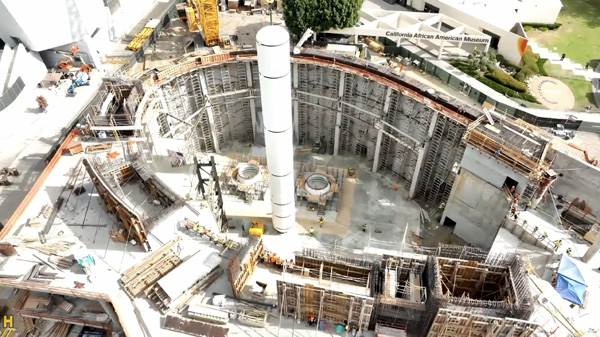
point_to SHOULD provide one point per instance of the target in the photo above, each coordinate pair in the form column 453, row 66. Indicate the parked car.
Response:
column 560, row 131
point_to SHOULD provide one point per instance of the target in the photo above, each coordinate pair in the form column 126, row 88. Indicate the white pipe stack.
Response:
column 273, row 48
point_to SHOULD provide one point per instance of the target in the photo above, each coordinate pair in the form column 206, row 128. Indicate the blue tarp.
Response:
column 570, row 283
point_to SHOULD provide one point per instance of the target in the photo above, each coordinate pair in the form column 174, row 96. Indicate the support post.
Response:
column 591, row 252
column 377, row 150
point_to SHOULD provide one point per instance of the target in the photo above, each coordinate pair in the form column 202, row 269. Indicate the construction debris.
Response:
column 194, row 328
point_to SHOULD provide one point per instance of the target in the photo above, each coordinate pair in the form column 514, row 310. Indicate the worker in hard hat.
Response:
column 321, row 222
column 312, row 231
column 364, row 227
column 569, row 251
column 557, row 244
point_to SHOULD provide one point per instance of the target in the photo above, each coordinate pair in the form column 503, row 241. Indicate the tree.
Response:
column 482, row 61
column 320, row 15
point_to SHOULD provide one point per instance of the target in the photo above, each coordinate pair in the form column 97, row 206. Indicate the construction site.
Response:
column 262, row 184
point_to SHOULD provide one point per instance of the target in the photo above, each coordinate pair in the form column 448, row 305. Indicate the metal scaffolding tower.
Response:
column 208, row 17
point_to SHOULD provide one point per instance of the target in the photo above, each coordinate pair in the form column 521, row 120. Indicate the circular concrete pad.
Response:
column 552, row 93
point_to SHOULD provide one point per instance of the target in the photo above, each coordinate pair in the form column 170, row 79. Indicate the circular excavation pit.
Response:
column 249, row 174
column 317, row 184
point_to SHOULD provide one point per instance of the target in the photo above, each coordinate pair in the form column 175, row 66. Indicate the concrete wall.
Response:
column 477, row 208
column 579, row 180
column 27, row 65
column 491, row 170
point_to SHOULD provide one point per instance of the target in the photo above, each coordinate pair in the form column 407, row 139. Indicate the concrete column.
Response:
column 377, row 149
column 441, row 49
column 209, row 113
column 295, row 104
column 338, row 116
column 421, row 156
column 252, row 102
column 591, row 252
column 112, row 314
column 336, row 137
column 273, row 49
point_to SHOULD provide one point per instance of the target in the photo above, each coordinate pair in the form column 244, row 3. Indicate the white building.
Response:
column 94, row 25
column 511, row 11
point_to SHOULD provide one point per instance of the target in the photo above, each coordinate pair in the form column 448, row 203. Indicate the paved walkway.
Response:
column 552, row 93
column 567, row 64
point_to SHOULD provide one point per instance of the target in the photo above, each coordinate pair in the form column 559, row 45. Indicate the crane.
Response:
column 307, row 34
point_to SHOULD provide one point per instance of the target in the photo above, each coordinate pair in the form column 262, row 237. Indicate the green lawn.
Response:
column 579, row 35
column 582, row 89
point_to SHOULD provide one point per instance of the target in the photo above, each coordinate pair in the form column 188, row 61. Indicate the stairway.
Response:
column 566, row 64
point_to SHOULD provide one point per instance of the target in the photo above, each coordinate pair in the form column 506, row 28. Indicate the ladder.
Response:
column 345, row 123
column 390, row 118
column 230, row 108
column 431, row 156
column 397, row 166
column 302, row 107
column 442, row 168
column 452, row 174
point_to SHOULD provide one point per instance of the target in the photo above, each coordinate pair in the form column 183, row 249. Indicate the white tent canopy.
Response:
column 438, row 34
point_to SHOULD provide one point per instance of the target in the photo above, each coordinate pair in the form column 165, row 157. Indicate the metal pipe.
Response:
column 273, row 49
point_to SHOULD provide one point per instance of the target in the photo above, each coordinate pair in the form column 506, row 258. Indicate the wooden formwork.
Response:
column 475, row 280
column 322, row 268
column 145, row 273
column 302, row 301
column 242, row 266
column 132, row 221
column 452, row 323
column 508, row 156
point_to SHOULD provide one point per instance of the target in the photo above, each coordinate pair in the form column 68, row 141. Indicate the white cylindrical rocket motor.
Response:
column 273, row 48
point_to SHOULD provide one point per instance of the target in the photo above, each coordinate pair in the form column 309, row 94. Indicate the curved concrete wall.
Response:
column 351, row 111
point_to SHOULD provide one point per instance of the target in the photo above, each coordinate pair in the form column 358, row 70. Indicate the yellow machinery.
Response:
column 190, row 14
column 207, row 12
column 142, row 36
column 257, row 229
column 226, row 41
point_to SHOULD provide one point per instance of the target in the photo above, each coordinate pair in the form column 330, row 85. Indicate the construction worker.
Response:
column 321, row 222
column 544, row 236
column 557, row 244
column 528, row 205
column 569, row 251
column 512, row 190
column 312, row 231
column 262, row 257
column 535, row 229
column 312, row 320
column 268, row 257
column 364, row 227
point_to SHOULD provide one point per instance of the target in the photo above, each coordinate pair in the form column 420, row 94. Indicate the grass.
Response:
column 582, row 89
column 578, row 36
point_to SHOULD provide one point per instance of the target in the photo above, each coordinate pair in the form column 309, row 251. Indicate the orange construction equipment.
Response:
column 593, row 161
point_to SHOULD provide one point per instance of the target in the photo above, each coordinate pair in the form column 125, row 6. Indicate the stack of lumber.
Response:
column 144, row 274
column 59, row 329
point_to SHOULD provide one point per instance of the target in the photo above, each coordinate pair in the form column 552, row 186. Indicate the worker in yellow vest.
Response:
column 312, row 231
